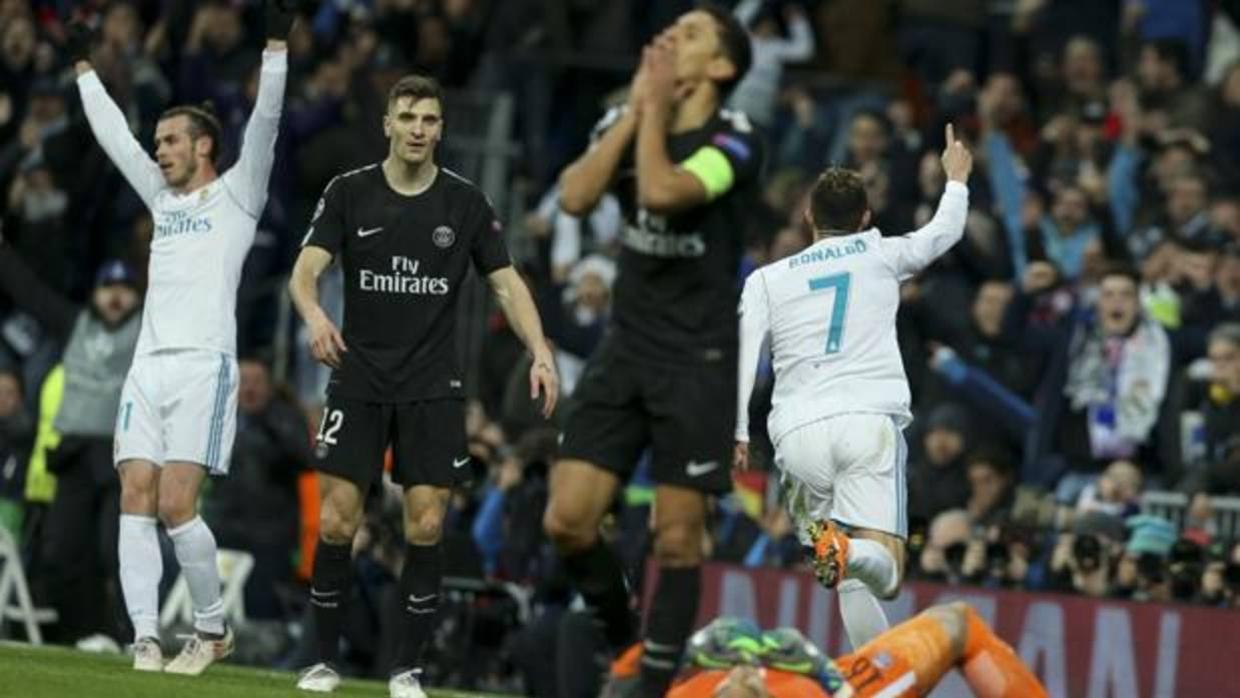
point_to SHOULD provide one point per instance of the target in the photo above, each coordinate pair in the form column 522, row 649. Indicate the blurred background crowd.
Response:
column 1075, row 360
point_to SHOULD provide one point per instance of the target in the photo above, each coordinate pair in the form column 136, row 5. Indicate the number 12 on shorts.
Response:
column 835, row 327
column 332, row 421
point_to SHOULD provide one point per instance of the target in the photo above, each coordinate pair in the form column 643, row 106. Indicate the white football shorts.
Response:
column 849, row 468
column 179, row 405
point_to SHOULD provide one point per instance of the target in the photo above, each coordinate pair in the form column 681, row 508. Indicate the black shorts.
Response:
column 685, row 414
column 427, row 439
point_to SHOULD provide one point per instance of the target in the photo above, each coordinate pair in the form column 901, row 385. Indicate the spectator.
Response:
column 1227, row 282
column 256, row 510
column 939, row 482
column 1082, row 73
column 939, row 37
column 507, row 530
column 1163, row 69
column 1224, row 130
column 216, row 53
column 1117, row 491
column 1107, row 373
column 756, row 93
column 1082, row 560
column 1150, row 544
column 578, row 326
column 1214, row 461
column 990, row 488
column 16, row 437
column 565, row 232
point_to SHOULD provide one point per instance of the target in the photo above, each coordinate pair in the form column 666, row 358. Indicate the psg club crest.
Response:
column 443, row 236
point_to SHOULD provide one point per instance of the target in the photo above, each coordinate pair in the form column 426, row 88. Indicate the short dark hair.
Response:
column 202, row 122
column 415, row 87
column 734, row 40
column 1121, row 269
column 838, row 201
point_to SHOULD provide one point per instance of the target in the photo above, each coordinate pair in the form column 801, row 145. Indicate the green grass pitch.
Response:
column 52, row 672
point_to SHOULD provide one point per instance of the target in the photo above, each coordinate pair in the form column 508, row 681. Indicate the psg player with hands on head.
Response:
column 406, row 232
column 684, row 171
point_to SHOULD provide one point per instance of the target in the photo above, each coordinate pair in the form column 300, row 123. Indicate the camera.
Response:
column 1231, row 576
column 1150, row 568
column 1087, row 551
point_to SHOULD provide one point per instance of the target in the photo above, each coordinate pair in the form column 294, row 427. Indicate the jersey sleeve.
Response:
column 731, row 158
column 327, row 225
column 487, row 247
column 247, row 180
column 112, row 131
column 909, row 254
column 754, row 327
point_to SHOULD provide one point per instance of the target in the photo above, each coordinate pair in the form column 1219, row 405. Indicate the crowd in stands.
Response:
column 1078, row 348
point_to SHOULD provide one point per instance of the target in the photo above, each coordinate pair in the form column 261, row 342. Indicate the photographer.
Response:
column 1150, row 546
column 1220, row 578
column 1082, row 558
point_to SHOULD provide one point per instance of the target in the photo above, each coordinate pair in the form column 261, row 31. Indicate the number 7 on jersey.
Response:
column 835, row 328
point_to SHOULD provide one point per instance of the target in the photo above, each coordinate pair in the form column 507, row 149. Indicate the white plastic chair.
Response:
column 15, row 602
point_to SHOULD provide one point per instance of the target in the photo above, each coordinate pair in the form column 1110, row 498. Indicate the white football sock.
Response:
column 871, row 563
column 141, row 568
column 864, row 619
column 195, row 548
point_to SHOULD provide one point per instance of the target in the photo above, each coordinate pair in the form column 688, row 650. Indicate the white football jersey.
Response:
column 201, row 238
column 829, row 313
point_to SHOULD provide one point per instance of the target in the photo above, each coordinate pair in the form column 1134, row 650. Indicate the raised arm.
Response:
column 29, row 293
column 664, row 186
column 732, row 156
column 518, row 306
column 583, row 183
column 112, row 131
column 247, row 180
column 799, row 46
column 909, row 254
column 754, row 328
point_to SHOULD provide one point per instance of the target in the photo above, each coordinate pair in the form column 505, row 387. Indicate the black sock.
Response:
column 668, row 625
column 419, row 600
column 597, row 575
column 329, row 588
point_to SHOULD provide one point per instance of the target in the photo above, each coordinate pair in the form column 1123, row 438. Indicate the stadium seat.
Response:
column 235, row 567
column 15, row 602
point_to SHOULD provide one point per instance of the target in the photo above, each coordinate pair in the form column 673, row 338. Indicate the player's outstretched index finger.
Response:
column 950, row 135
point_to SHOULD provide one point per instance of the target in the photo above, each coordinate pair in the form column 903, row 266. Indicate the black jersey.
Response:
column 404, row 259
column 677, row 290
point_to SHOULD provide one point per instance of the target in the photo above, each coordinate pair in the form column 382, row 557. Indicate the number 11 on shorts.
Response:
column 835, row 328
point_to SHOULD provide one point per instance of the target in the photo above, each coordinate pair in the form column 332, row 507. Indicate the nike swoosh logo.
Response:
column 362, row 232
column 695, row 469
column 458, row 462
